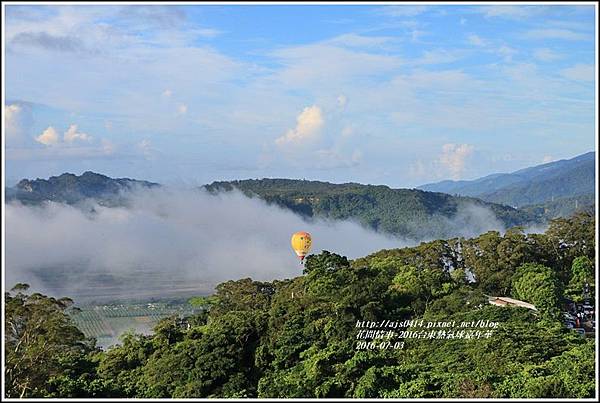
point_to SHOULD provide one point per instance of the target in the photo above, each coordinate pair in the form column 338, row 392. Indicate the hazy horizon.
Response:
column 11, row 182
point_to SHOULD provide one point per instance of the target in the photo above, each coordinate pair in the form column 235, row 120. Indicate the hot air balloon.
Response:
column 301, row 242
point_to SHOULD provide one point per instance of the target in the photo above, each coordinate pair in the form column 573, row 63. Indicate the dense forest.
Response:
column 71, row 189
column 300, row 337
column 409, row 213
column 562, row 207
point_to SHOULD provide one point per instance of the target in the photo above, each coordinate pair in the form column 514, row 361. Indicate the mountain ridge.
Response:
column 410, row 213
column 528, row 186
column 71, row 189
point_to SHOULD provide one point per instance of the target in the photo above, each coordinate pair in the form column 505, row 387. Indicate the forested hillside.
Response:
column 305, row 336
column 562, row 207
column 405, row 212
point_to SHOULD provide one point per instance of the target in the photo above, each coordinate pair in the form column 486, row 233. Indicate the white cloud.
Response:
column 167, row 93
column 546, row 55
column 454, row 156
column 509, row 11
column 48, row 137
column 342, row 101
column 416, row 34
column 404, row 11
column 72, row 134
column 355, row 40
column 146, row 149
column 326, row 66
column 18, row 119
column 418, row 170
column 107, row 147
column 208, row 32
column 579, row 72
column 114, row 37
column 347, row 131
column 506, row 52
column 436, row 80
column 556, row 33
column 547, row 158
column 68, row 147
column 438, row 56
column 182, row 109
column 476, row 40
column 12, row 118
column 308, row 124
column 334, row 158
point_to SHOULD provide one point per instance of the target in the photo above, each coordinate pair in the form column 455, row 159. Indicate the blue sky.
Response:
column 398, row 95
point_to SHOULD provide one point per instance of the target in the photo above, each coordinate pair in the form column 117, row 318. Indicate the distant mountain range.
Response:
column 439, row 210
column 546, row 183
column 406, row 212
column 71, row 189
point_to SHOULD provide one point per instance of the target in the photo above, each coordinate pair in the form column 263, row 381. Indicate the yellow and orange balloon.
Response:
column 301, row 243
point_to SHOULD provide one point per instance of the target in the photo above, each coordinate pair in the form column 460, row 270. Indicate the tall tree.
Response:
column 41, row 343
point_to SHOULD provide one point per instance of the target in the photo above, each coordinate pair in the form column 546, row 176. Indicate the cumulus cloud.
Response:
column 12, row 119
column 18, row 119
column 72, row 135
column 308, row 124
column 72, row 144
column 454, row 156
column 48, row 137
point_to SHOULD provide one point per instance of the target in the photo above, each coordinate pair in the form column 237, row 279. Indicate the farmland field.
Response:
column 109, row 321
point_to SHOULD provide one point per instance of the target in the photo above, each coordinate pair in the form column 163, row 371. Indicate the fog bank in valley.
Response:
column 171, row 241
column 166, row 240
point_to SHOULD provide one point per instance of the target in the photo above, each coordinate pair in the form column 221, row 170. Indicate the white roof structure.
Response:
column 506, row 301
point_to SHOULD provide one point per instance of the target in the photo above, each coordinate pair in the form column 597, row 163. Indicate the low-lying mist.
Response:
column 171, row 241
column 166, row 240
